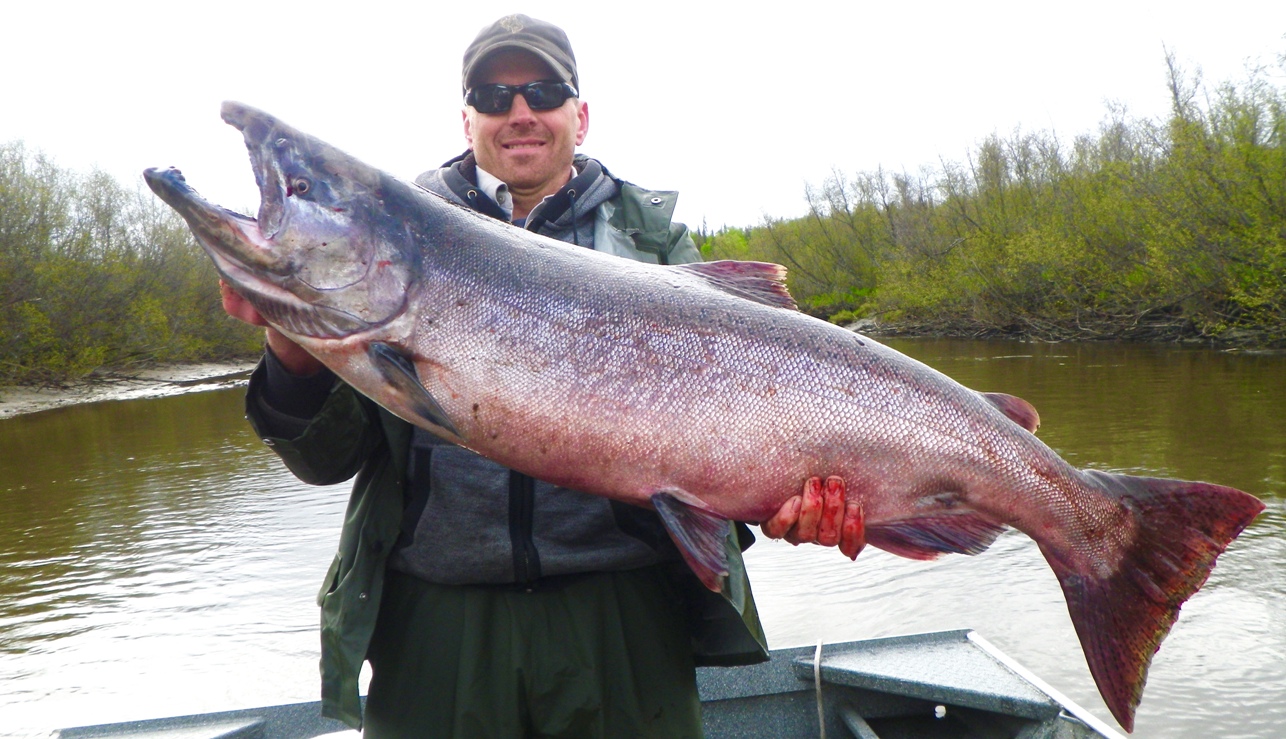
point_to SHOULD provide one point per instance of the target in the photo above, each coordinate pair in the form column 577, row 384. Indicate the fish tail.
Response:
column 1122, row 616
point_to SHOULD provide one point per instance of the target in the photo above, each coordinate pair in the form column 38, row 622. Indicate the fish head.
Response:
column 324, row 258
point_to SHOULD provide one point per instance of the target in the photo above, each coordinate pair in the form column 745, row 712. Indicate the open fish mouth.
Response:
column 246, row 259
column 233, row 240
column 259, row 134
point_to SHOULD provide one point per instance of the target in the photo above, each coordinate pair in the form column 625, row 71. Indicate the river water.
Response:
column 155, row 558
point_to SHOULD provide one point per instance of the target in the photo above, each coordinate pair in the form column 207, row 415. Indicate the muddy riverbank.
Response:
column 153, row 382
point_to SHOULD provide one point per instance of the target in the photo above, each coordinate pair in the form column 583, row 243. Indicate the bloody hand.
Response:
column 820, row 515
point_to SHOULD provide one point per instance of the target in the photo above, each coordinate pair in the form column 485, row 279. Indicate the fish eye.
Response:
column 300, row 186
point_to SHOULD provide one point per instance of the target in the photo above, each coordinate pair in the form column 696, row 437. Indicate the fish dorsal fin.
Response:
column 700, row 536
column 762, row 282
column 1015, row 409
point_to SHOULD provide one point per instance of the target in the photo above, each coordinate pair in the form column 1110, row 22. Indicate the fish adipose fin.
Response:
column 700, row 536
column 1015, row 409
column 1121, row 617
column 399, row 372
column 762, row 282
column 932, row 535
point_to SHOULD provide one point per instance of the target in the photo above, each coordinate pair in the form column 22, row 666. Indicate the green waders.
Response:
column 564, row 660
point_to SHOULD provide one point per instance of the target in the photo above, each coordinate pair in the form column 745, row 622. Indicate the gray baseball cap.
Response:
column 541, row 38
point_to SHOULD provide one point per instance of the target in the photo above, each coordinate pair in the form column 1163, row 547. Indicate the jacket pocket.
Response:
column 331, row 582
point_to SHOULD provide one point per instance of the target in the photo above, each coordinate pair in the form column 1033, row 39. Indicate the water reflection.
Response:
column 155, row 559
column 1162, row 410
column 1150, row 410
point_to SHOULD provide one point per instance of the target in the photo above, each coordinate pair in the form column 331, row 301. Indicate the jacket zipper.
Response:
column 522, row 501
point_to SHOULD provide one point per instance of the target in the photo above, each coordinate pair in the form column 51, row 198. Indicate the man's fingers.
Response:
column 821, row 515
column 810, row 514
column 229, row 297
column 238, row 307
column 828, row 530
column 853, row 533
column 785, row 517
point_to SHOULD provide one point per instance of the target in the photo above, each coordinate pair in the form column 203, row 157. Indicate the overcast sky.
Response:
column 735, row 106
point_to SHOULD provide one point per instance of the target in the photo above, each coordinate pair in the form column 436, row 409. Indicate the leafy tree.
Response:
column 95, row 277
column 1148, row 229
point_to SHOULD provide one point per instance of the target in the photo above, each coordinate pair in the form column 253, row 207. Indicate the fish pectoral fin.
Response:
column 700, row 536
column 398, row 370
column 933, row 535
column 1015, row 409
column 762, row 282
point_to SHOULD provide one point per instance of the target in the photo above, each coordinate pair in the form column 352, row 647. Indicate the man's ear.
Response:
column 468, row 126
column 582, row 127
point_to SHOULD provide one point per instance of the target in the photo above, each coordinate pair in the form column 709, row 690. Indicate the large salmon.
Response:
column 694, row 389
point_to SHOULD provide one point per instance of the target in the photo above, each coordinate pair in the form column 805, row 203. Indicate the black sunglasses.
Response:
column 540, row 95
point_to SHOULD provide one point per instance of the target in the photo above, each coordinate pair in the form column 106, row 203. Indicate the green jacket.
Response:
column 352, row 436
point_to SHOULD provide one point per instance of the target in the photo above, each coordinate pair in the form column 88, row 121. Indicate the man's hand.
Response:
column 820, row 516
column 292, row 356
column 238, row 307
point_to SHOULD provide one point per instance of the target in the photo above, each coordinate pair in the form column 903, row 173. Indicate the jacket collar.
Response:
column 590, row 188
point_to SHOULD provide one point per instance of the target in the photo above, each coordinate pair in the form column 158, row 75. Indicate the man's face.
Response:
column 529, row 150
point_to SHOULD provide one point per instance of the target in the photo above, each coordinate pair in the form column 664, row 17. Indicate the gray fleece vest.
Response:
column 471, row 521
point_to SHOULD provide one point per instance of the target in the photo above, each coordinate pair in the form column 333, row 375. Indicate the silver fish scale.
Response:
column 721, row 396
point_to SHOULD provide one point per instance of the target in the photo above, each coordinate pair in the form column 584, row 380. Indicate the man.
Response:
column 489, row 603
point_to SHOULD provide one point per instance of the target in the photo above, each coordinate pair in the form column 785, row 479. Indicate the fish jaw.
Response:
column 234, row 241
column 318, row 261
column 256, row 131
column 304, row 183
column 332, row 217
column 252, row 264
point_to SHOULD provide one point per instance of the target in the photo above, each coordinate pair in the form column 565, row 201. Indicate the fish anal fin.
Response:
column 699, row 534
column 932, row 535
column 399, row 372
column 1122, row 617
column 762, row 282
column 1015, row 409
